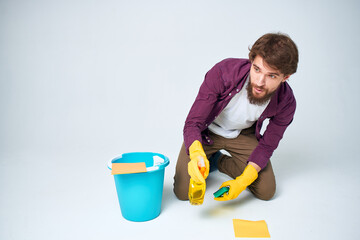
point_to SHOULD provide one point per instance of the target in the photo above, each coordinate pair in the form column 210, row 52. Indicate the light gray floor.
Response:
column 45, row 200
column 84, row 81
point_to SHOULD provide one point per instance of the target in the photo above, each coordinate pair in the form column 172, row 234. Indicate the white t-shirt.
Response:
column 239, row 114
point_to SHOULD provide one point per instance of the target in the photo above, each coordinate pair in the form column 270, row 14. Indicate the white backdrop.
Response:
column 83, row 81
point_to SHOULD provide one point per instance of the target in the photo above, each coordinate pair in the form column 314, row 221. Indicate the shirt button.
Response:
column 237, row 90
column 229, row 94
column 208, row 140
column 206, row 125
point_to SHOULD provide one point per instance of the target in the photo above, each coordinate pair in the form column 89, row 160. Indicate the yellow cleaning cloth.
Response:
column 124, row 168
column 250, row 229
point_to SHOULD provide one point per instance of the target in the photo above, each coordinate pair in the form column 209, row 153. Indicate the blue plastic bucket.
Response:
column 140, row 194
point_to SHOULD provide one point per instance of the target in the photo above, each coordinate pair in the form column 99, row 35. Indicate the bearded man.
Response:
column 237, row 95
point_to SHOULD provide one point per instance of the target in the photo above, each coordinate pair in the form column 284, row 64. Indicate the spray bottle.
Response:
column 197, row 189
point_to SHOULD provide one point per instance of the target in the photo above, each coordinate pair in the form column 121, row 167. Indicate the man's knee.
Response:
column 181, row 190
column 266, row 195
column 182, row 178
column 264, row 192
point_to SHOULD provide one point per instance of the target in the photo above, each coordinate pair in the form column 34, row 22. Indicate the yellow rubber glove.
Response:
column 239, row 184
column 198, row 161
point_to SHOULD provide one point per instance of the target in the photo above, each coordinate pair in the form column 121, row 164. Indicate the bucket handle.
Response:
column 109, row 164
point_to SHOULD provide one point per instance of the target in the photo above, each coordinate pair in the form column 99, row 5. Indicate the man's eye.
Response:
column 256, row 69
column 272, row 76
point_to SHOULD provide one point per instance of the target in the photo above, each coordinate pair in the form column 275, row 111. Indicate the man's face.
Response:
column 264, row 81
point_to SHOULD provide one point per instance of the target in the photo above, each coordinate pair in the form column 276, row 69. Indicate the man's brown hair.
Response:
column 278, row 51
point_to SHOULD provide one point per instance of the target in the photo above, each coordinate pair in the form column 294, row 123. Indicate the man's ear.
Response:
column 286, row 78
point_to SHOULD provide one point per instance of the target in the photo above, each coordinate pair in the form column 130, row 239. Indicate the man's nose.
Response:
column 261, row 80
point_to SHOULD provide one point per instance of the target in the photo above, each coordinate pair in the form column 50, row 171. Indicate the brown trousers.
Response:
column 240, row 149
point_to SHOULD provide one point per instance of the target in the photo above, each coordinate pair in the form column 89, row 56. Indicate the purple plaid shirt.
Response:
column 221, row 83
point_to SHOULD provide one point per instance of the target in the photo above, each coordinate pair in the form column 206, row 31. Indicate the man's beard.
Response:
column 256, row 100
